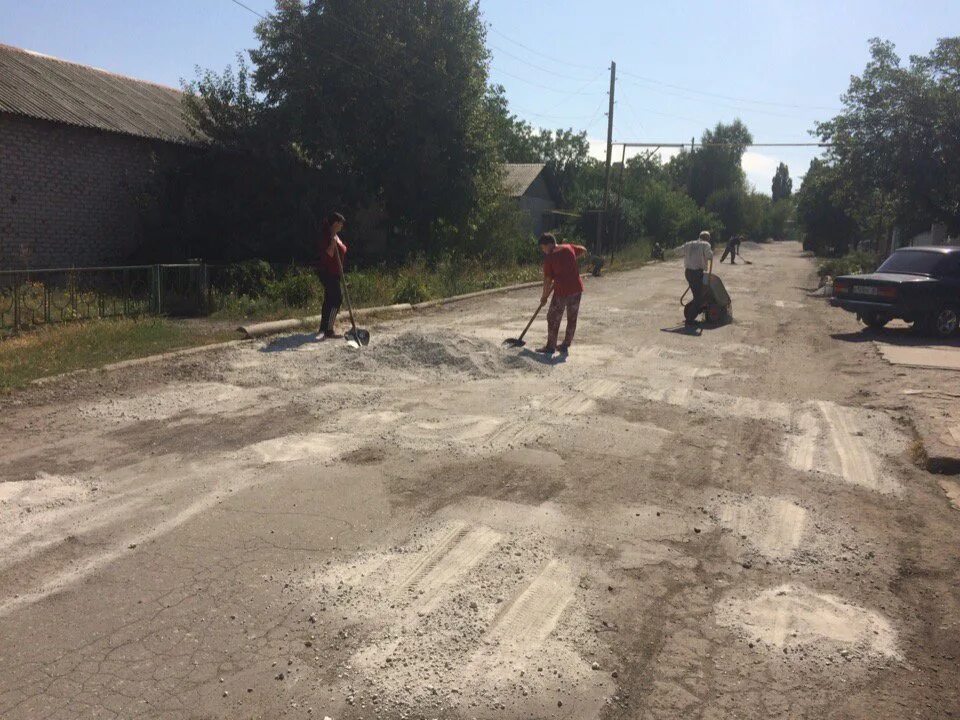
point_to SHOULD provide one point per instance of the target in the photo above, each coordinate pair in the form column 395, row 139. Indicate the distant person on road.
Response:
column 657, row 251
column 331, row 272
column 732, row 248
column 697, row 258
column 561, row 276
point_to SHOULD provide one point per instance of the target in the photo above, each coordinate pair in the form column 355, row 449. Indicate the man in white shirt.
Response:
column 697, row 258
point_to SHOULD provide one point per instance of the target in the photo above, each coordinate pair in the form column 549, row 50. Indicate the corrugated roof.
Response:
column 518, row 177
column 47, row 88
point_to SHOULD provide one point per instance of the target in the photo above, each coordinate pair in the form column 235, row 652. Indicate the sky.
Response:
column 682, row 66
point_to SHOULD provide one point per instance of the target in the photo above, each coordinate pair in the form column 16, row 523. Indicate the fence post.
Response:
column 207, row 299
column 157, row 300
column 16, row 303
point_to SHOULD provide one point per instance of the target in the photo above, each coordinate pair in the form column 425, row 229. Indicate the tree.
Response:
column 829, row 228
column 387, row 101
column 782, row 186
column 715, row 165
column 896, row 141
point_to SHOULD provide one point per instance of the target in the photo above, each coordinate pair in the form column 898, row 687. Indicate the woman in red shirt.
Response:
column 331, row 270
column 561, row 276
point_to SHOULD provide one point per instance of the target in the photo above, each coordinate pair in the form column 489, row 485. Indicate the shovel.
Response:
column 520, row 342
column 355, row 337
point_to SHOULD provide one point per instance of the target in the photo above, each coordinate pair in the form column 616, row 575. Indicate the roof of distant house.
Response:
column 47, row 88
column 518, row 177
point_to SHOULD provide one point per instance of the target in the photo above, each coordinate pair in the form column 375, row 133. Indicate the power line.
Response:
column 565, row 91
column 537, row 52
column 249, row 9
column 535, row 66
column 730, row 97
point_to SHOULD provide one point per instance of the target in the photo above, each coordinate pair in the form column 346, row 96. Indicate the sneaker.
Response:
column 546, row 350
column 563, row 349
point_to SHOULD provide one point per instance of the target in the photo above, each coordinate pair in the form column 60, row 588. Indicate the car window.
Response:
column 913, row 262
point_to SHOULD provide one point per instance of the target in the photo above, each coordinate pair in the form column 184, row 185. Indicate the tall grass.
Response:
column 415, row 282
column 60, row 348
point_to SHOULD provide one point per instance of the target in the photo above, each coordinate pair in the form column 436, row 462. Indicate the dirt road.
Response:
column 724, row 524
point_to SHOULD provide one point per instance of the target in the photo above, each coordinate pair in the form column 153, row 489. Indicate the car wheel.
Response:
column 874, row 320
column 943, row 323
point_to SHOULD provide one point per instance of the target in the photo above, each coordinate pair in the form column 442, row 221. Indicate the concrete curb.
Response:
column 479, row 293
column 173, row 354
column 278, row 326
column 258, row 330
column 941, row 458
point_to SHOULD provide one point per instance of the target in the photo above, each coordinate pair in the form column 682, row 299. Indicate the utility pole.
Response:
column 602, row 220
column 616, row 218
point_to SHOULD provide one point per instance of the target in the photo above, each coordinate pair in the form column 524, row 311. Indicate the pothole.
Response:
column 807, row 624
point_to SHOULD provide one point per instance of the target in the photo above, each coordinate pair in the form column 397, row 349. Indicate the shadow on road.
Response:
column 557, row 359
column 289, row 342
column 684, row 329
column 896, row 336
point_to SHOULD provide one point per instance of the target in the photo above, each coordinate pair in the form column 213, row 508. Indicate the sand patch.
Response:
column 200, row 398
column 774, row 526
column 844, row 442
column 321, row 447
column 465, row 616
column 797, row 618
column 641, row 553
column 532, row 457
column 44, row 492
column 952, row 490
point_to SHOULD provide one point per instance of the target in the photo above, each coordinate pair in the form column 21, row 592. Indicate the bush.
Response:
column 850, row 264
column 250, row 277
column 410, row 289
column 297, row 289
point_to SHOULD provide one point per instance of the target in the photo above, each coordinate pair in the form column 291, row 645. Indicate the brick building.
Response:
column 77, row 147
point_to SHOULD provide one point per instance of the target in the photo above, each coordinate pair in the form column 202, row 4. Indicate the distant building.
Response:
column 936, row 235
column 529, row 184
column 77, row 147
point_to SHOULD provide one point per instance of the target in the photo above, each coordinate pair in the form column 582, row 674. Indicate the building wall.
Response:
column 535, row 202
column 68, row 194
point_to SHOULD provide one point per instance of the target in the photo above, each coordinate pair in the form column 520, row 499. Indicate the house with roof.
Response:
column 530, row 185
column 78, row 146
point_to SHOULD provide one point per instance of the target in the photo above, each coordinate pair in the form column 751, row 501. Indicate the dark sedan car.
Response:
column 919, row 284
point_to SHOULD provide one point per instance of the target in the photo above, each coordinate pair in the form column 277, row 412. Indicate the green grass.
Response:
column 373, row 288
column 850, row 264
column 57, row 349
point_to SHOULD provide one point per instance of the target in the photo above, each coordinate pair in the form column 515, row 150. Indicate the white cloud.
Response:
column 759, row 168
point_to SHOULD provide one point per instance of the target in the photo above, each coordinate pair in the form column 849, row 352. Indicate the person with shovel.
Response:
column 732, row 248
column 331, row 272
column 561, row 276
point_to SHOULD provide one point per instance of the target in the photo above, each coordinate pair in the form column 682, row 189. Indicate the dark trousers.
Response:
column 569, row 304
column 732, row 251
column 332, row 300
column 695, row 281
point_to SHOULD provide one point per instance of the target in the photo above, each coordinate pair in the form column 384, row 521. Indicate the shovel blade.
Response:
column 357, row 337
column 514, row 342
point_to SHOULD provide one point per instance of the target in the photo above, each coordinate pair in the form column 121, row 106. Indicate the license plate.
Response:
column 864, row 290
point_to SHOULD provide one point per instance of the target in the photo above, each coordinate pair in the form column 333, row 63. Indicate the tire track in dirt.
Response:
column 856, row 464
column 532, row 616
column 458, row 551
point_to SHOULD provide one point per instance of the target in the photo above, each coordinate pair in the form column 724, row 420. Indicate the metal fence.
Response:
column 29, row 298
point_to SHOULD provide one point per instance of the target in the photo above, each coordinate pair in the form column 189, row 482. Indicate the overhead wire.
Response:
column 727, row 97
column 537, row 52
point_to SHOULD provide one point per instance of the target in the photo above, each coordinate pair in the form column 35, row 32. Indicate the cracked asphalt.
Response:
column 716, row 523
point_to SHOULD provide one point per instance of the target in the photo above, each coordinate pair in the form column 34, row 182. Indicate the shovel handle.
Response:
column 537, row 312
column 343, row 278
